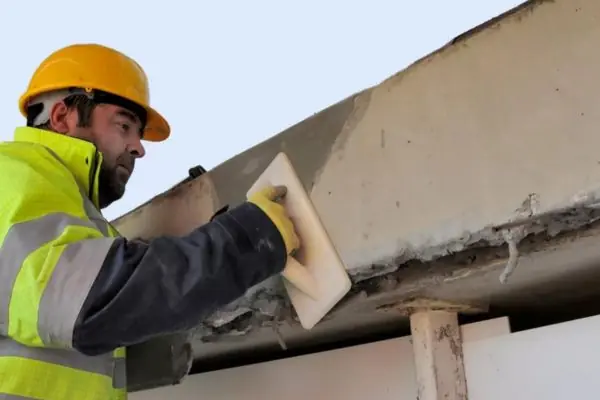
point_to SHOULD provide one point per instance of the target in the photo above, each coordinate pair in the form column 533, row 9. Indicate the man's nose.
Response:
column 136, row 148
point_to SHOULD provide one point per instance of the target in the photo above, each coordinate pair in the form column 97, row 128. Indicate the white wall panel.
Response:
column 382, row 370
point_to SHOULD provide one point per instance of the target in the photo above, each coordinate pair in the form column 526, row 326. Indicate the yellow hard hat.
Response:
column 96, row 67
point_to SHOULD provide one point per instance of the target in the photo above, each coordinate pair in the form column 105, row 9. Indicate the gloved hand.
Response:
column 266, row 200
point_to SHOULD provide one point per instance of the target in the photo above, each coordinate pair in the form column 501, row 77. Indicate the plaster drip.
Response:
column 280, row 339
column 512, row 237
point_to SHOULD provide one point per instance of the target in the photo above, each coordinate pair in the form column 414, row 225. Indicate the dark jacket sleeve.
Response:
column 171, row 283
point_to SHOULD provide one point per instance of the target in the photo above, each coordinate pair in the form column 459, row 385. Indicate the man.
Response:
column 73, row 293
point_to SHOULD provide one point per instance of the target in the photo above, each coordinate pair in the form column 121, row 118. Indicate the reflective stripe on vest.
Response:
column 33, row 373
column 77, row 265
column 103, row 364
column 25, row 378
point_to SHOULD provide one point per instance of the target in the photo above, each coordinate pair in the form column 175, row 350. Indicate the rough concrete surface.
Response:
column 468, row 154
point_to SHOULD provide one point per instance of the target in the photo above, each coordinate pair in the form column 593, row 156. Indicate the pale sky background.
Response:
column 228, row 75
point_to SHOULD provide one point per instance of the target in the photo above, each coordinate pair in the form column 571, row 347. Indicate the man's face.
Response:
column 116, row 132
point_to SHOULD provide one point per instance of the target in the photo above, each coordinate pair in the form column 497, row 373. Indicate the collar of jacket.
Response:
column 79, row 156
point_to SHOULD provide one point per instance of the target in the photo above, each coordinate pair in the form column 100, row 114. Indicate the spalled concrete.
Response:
column 481, row 156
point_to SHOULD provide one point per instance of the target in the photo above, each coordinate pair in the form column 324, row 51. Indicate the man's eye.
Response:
column 125, row 127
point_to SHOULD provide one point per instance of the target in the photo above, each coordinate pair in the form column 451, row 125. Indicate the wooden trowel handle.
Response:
column 299, row 276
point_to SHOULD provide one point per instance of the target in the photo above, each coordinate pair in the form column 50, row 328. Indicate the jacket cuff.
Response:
column 254, row 232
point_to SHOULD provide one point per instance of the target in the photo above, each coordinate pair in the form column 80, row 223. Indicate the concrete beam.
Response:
column 482, row 155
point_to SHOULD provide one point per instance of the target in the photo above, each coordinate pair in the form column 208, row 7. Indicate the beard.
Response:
column 109, row 187
column 111, row 182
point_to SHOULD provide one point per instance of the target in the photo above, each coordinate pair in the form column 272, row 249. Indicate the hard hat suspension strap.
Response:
column 38, row 111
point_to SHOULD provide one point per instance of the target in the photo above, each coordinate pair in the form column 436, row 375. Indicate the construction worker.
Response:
column 73, row 292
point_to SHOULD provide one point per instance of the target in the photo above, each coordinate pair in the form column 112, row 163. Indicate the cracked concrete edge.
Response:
column 267, row 305
column 578, row 211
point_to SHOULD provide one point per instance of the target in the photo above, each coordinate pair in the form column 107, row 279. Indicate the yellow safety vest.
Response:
column 53, row 241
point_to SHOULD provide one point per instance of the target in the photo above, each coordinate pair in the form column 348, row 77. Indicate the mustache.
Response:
column 126, row 160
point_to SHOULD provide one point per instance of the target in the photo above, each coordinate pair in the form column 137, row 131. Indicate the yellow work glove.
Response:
column 266, row 199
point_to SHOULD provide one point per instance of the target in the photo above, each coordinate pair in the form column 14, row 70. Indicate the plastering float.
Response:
column 315, row 278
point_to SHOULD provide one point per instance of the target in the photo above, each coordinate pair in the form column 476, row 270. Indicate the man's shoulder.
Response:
column 19, row 151
column 20, row 160
column 23, row 156
column 31, row 175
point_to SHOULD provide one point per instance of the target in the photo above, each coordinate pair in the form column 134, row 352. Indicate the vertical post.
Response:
column 437, row 348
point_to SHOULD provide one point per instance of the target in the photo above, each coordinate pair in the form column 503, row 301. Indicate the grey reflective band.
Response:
column 14, row 397
column 119, row 373
column 68, row 288
column 103, row 364
column 21, row 240
column 74, row 273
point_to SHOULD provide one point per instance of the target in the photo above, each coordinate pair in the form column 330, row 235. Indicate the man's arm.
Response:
column 170, row 283
column 62, row 284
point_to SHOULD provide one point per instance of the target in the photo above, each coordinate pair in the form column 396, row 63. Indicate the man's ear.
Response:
column 61, row 118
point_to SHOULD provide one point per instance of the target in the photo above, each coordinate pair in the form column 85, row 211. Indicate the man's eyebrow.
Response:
column 129, row 115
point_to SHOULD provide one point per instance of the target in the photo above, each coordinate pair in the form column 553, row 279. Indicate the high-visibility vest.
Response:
column 53, row 241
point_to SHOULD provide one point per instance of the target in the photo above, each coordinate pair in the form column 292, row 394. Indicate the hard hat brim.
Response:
column 157, row 127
